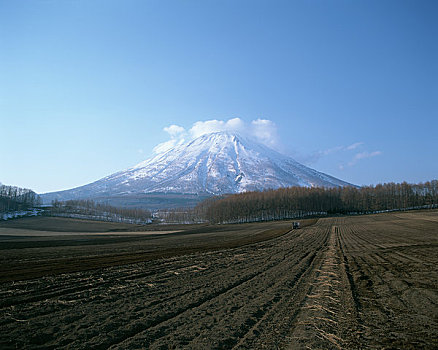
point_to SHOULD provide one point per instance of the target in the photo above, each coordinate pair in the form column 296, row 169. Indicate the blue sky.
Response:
column 349, row 88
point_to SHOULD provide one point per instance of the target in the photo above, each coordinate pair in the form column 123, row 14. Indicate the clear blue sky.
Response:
column 86, row 87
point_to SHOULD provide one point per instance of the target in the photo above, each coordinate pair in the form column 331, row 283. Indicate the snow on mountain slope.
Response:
column 216, row 163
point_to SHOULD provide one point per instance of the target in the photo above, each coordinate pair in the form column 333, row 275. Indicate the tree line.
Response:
column 99, row 211
column 13, row 198
column 294, row 202
column 182, row 215
column 283, row 203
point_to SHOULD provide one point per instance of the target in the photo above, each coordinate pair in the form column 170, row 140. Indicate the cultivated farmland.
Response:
column 337, row 283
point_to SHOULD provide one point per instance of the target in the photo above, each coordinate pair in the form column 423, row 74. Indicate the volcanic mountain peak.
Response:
column 216, row 163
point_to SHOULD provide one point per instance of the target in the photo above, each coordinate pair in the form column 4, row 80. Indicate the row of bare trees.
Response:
column 296, row 202
column 14, row 198
column 182, row 215
column 283, row 203
column 99, row 211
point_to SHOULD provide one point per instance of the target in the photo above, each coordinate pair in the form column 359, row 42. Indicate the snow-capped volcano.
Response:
column 215, row 163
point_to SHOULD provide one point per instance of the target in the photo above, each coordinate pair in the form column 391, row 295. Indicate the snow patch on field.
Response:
column 20, row 214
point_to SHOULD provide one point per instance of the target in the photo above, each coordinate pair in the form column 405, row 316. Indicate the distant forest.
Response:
column 99, row 211
column 283, row 203
column 296, row 202
column 14, row 198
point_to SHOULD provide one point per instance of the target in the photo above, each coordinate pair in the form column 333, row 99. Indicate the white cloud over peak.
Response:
column 265, row 131
column 174, row 130
column 209, row 126
column 177, row 136
column 262, row 130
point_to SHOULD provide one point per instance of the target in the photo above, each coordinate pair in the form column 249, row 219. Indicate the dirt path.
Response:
column 343, row 283
column 329, row 315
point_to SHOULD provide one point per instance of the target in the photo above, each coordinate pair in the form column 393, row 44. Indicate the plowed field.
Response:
column 338, row 283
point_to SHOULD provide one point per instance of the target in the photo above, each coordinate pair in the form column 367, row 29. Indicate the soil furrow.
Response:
column 192, row 306
column 343, row 283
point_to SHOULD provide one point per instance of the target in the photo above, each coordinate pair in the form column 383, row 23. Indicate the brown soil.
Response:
column 341, row 283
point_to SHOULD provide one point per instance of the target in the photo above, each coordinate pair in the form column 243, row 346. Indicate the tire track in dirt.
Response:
column 396, row 306
column 261, row 307
column 209, row 299
column 33, row 266
column 256, row 336
column 10, row 297
column 84, row 285
column 272, row 256
column 157, row 301
column 275, row 245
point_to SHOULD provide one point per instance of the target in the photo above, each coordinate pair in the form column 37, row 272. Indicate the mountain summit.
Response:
column 215, row 163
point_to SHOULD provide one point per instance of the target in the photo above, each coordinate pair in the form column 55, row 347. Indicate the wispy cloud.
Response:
column 338, row 153
column 359, row 156
column 314, row 157
column 263, row 130
column 354, row 146
column 363, row 155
